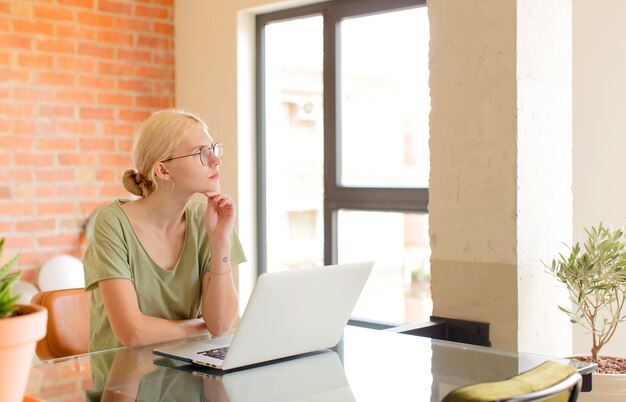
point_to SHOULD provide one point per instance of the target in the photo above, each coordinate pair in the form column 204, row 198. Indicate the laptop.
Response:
column 289, row 313
column 317, row 376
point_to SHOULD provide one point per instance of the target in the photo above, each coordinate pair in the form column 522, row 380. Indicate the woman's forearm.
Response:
column 219, row 297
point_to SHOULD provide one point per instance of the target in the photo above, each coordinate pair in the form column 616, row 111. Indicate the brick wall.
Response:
column 75, row 78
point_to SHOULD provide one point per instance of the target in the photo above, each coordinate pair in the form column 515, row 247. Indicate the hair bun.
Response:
column 136, row 183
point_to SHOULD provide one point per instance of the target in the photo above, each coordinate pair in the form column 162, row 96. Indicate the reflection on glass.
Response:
column 294, row 143
column 398, row 289
column 385, row 100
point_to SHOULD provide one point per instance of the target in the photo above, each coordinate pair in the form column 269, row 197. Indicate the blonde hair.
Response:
column 155, row 140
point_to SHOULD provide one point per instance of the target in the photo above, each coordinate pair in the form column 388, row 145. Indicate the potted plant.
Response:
column 21, row 326
column 595, row 277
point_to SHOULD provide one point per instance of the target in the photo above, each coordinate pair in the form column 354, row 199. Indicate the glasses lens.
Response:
column 218, row 149
column 205, row 155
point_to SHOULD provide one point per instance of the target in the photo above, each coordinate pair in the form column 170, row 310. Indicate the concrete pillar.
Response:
column 501, row 166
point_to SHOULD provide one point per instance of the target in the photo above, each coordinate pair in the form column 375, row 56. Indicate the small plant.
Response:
column 596, row 280
column 7, row 300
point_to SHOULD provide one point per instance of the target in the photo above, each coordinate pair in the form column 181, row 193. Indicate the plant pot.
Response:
column 18, row 337
column 605, row 388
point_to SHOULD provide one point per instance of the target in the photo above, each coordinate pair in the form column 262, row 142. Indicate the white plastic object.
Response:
column 61, row 272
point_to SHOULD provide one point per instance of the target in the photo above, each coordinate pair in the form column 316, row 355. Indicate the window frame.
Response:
column 336, row 197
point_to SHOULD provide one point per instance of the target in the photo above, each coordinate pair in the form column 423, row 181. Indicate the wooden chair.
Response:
column 550, row 381
column 68, row 323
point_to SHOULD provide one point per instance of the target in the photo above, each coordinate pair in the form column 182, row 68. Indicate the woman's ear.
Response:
column 161, row 171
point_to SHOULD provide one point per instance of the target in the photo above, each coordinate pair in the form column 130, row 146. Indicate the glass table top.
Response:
column 366, row 365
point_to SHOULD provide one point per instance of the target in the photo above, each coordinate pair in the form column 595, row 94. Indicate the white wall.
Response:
column 599, row 110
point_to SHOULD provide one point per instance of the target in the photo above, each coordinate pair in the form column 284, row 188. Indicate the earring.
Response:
column 171, row 188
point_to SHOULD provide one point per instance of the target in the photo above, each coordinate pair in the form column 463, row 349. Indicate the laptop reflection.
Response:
column 314, row 377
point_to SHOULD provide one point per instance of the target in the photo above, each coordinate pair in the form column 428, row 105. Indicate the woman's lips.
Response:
column 216, row 176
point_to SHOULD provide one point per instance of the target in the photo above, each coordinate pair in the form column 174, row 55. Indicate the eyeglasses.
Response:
column 204, row 152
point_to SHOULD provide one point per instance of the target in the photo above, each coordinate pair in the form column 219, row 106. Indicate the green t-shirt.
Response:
column 115, row 252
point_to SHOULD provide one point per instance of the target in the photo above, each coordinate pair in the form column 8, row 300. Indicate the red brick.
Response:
column 76, row 159
column 113, row 191
column 75, row 32
column 77, row 127
column 5, row 126
column 4, row 24
column 56, row 79
column 114, row 159
column 15, row 41
column 21, row 8
column 95, row 19
column 134, row 55
column 169, row 3
column 9, row 74
column 60, row 240
column 155, row 72
column 151, row 41
column 75, row 64
column 153, row 101
column 53, row 13
column 132, row 24
column 77, row 3
column 5, row 58
column 97, row 82
column 108, row 175
column 56, row 46
column 4, row 7
column 134, row 85
column 55, row 175
column 58, row 144
column 16, row 142
column 19, row 243
column 35, row 225
column 32, row 127
column 32, row 27
column 119, row 129
column 18, row 208
column 52, row 208
column 76, row 96
column 163, row 28
column 5, row 192
column 99, row 144
column 166, row 59
column 88, row 49
column 115, row 99
column 151, row 12
column 114, row 7
column 30, row 159
column 115, row 68
column 16, row 110
column 124, row 145
column 90, row 206
column 57, row 111
column 96, row 113
column 33, row 94
column 34, row 60
column 116, row 38
column 133, row 115
column 6, row 159
column 165, row 87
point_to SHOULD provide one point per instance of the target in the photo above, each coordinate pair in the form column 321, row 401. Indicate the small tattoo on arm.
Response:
column 224, row 259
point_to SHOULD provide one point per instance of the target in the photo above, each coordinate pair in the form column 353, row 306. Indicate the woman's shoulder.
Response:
column 107, row 214
column 196, row 209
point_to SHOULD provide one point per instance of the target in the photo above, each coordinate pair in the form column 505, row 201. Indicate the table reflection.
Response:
column 367, row 365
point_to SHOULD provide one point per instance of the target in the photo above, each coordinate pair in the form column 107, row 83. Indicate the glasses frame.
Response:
column 199, row 153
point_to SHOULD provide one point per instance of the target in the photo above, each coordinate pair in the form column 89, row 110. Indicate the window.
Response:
column 343, row 162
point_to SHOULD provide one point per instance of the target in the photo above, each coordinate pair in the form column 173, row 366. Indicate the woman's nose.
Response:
column 214, row 160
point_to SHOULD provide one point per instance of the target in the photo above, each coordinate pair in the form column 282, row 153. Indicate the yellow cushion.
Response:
column 537, row 379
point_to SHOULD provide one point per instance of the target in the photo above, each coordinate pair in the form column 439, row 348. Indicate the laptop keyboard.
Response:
column 219, row 353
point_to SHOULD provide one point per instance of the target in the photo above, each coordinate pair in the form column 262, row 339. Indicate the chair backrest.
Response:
column 68, row 322
column 550, row 381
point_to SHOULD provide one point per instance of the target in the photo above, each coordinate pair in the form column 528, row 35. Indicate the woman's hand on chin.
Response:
column 220, row 215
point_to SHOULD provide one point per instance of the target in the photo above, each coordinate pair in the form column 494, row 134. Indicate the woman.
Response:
column 160, row 266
